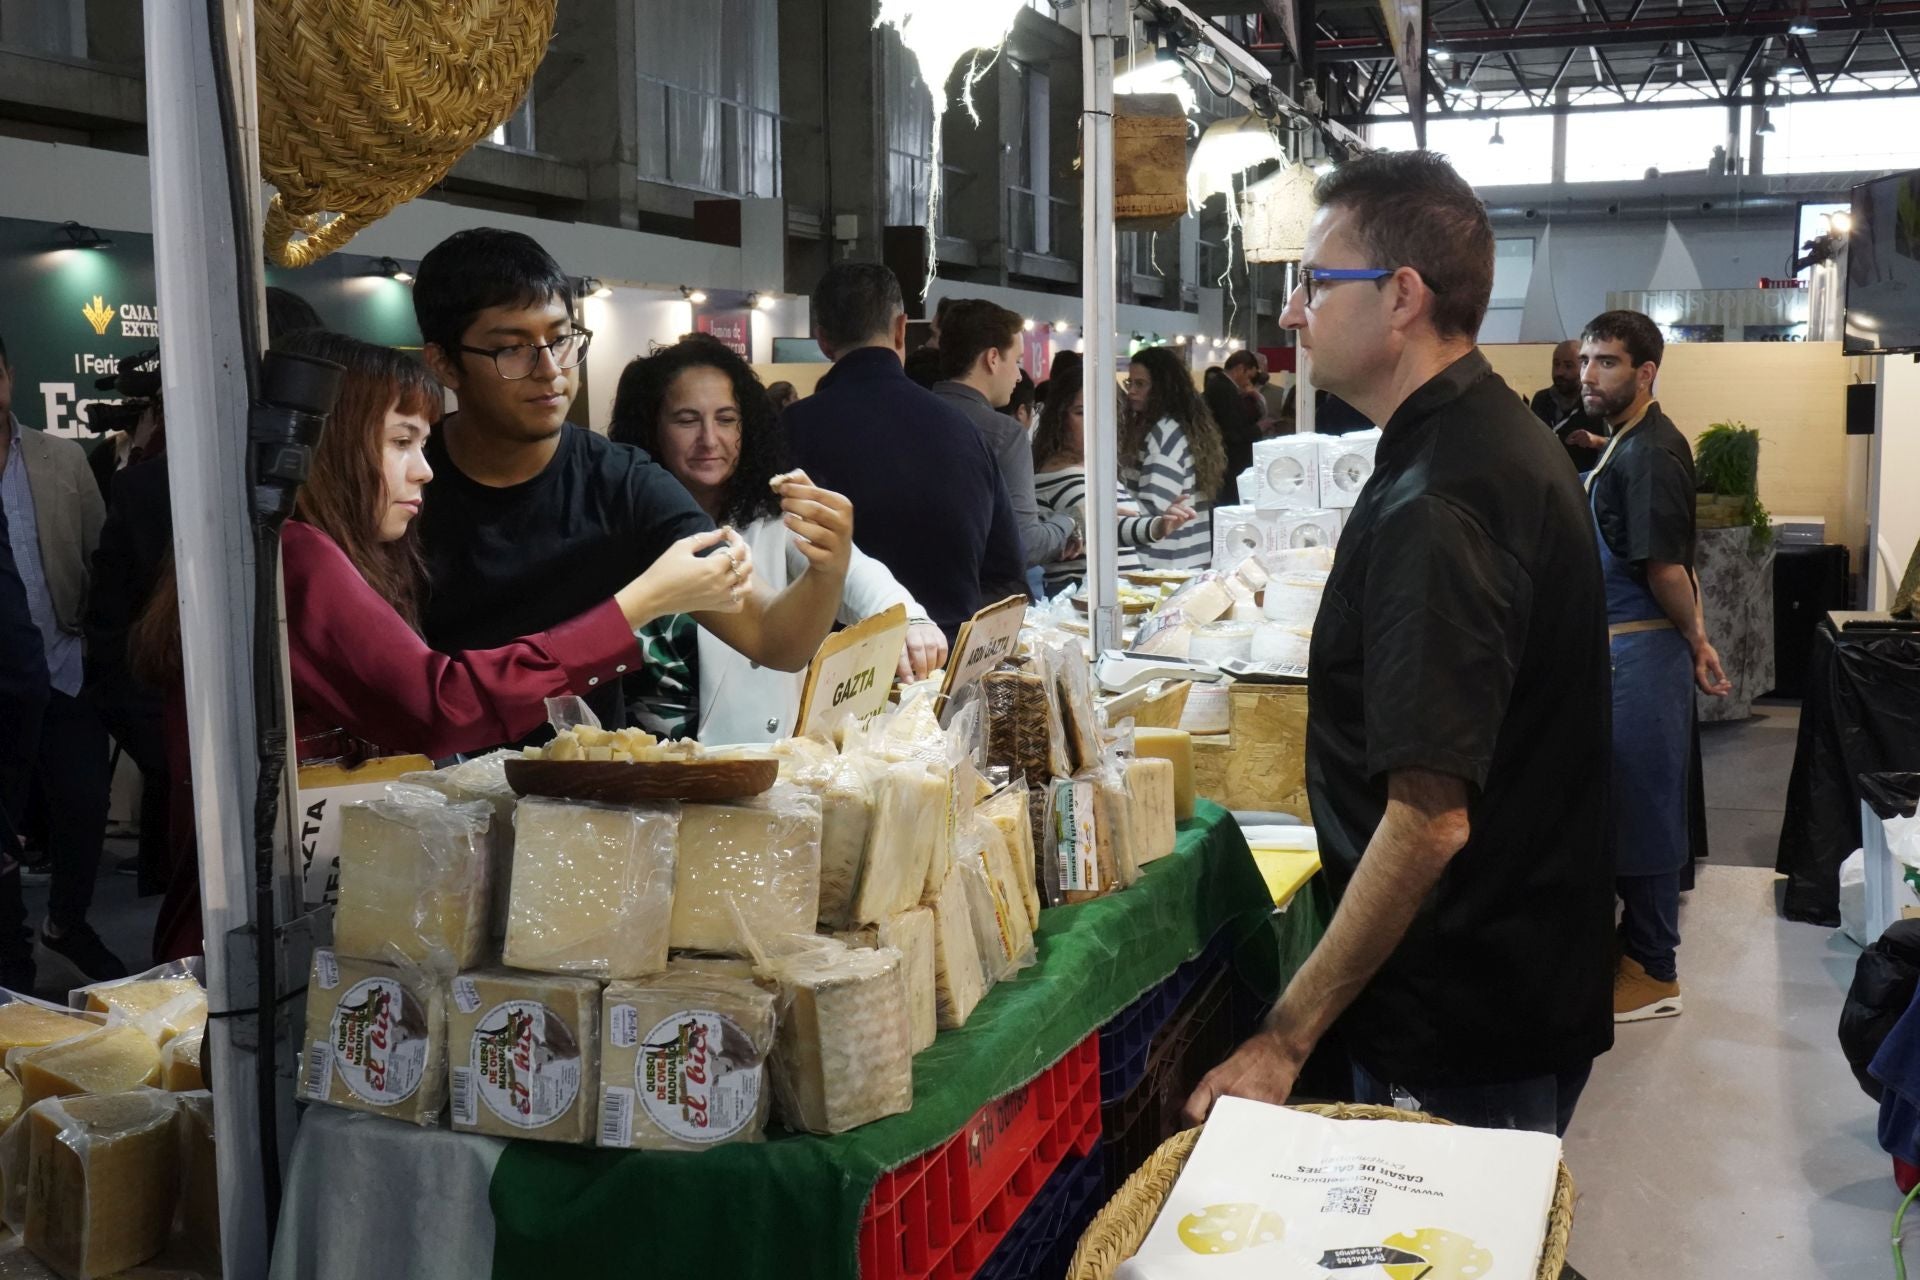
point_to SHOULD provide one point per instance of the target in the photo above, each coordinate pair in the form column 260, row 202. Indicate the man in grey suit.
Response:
column 54, row 512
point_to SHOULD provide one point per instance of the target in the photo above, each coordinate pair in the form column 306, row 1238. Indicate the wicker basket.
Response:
column 1123, row 1224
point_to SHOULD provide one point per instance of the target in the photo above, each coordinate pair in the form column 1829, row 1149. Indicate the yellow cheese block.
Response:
column 592, row 889
column 683, row 1062
column 1010, row 815
column 164, row 1007
column 413, row 880
column 909, row 823
column 101, row 1181
column 846, row 818
column 911, row 933
column 844, row 1056
column 483, row 780
column 24, row 1026
column 11, row 1099
column 1150, row 808
column 1175, row 745
column 199, row 1185
column 180, row 1069
column 959, row 983
column 525, row 1055
column 106, row 1060
column 376, row 1040
column 762, row 856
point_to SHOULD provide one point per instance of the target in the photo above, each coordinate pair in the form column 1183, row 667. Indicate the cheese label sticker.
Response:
column 466, row 996
column 526, row 1064
column 699, row 1076
column 380, row 1041
column 623, row 1026
column 327, row 968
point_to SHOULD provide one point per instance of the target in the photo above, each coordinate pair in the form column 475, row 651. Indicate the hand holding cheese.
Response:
column 821, row 520
column 708, row 572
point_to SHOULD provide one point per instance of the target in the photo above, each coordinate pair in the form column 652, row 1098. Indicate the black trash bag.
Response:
column 1884, row 982
column 1861, row 716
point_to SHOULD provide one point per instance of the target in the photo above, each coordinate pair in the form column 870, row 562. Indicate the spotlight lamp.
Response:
column 693, row 295
column 1059, row 326
column 760, row 301
column 391, row 267
column 594, row 287
column 1496, row 140
column 1766, row 123
column 1027, row 324
column 1841, row 223
column 80, row 236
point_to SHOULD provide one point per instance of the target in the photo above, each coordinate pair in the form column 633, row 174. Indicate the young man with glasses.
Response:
column 531, row 519
column 1458, row 680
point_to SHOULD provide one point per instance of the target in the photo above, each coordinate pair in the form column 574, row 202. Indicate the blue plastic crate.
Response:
column 1040, row 1246
column 1125, row 1040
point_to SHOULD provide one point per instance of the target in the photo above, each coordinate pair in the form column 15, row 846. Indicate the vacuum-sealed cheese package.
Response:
column 166, row 1001
column 683, row 1063
column 102, row 1182
column 376, row 1039
column 483, row 780
column 763, row 855
column 414, row 881
column 524, row 1055
column 845, row 1051
column 592, row 888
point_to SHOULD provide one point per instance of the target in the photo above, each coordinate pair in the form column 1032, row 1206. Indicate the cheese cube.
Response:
column 25, row 1025
column 413, row 881
column 1010, row 816
column 525, row 1055
column 483, row 780
column 592, row 889
column 684, row 1062
column 1150, row 808
column 376, row 1040
column 180, row 1069
column 958, row 984
column 846, row 819
column 11, row 1099
column 199, row 1183
column 105, row 1060
column 163, row 1007
column 845, row 1053
column 909, row 821
column 102, row 1177
column 762, row 856
column 1175, row 745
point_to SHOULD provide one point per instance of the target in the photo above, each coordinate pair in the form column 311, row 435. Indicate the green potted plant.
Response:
column 1726, row 464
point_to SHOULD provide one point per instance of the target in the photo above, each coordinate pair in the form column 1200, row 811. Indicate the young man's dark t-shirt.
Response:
column 507, row 562
column 1464, row 631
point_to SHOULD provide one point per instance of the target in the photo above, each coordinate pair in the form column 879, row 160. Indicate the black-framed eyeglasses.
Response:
column 1315, row 279
column 522, row 358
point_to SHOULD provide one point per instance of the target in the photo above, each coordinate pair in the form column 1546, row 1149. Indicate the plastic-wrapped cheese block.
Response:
column 165, row 1002
column 483, row 780
column 1005, row 879
column 376, row 1039
column 762, row 855
column 101, row 1182
column 1150, row 808
column 958, row 985
column 846, row 819
column 845, row 1051
column 732, row 968
column 11, row 1099
column 909, row 819
column 413, row 881
column 592, row 888
column 25, row 1024
column 180, row 1069
column 911, row 933
column 991, row 937
column 524, row 1055
column 1113, row 824
column 105, row 1060
column 1175, row 745
column 1010, row 816
column 683, row 1063
column 199, row 1220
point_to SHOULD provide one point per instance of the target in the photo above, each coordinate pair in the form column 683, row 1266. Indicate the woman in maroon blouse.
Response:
column 364, row 682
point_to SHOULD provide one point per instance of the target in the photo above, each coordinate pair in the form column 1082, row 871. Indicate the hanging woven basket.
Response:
column 366, row 104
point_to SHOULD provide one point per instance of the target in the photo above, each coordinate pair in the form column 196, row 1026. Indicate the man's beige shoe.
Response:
column 1638, row 996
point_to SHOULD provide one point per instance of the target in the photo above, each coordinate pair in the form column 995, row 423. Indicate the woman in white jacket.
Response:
column 698, row 408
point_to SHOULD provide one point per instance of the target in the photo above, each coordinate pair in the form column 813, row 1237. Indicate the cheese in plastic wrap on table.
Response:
column 592, row 888
column 911, row 933
column 958, row 982
column 733, row 968
column 1008, row 811
column 909, row 821
column 683, row 1063
column 376, row 1039
column 198, row 1224
column 524, row 1055
column 1150, row 808
column 413, row 881
column 165, row 1001
column 26, row 1023
column 102, row 1181
column 1113, row 825
column 844, row 1056
column 1175, row 745
column 762, row 855
column 483, row 780
column 104, row 1060
column 1293, row 599
column 846, row 790
column 11, row 1098
column 180, row 1069
column 991, row 938
column 1005, row 877
column 1081, row 862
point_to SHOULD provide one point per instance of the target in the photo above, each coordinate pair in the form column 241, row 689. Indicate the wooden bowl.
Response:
column 642, row 782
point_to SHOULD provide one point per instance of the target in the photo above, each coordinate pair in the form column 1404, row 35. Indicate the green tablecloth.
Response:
column 791, row 1207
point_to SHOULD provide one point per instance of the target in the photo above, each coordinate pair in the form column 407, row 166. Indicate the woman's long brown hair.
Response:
column 344, row 496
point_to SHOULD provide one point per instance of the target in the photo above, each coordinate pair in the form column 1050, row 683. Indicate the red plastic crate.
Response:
column 938, row 1216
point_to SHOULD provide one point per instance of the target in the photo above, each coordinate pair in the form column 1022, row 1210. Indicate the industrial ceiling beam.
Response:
column 1584, row 108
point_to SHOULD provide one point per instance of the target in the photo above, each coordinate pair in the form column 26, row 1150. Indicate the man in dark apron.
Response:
column 1641, row 493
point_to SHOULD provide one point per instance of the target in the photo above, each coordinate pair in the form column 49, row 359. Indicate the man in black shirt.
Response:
column 531, row 520
column 1458, row 679
column 1559, row 407
column 1642, row 494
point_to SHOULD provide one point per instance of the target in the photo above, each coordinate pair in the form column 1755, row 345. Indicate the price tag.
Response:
column 853, row 673
column 986, row 640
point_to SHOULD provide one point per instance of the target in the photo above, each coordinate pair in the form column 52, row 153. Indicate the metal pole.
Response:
column 1100, row 20
column 197, row 252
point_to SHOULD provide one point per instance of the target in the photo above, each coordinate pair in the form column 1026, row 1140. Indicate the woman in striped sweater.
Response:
column 1060, row 483
column 1171, row 453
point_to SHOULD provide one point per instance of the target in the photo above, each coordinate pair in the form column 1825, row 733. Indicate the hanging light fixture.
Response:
column 392, row 268
column 693, row 295
column 1803, row 23
column 1496, row 140
column 1766, row 123
column 1229, row 147
column 80, row 236
column 760, row 301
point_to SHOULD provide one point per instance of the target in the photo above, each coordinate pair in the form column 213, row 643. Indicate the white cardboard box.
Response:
column 1346, row 463
column 1286, row 473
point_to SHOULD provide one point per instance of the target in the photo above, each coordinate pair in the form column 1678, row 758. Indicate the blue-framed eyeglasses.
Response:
column 1315, row 279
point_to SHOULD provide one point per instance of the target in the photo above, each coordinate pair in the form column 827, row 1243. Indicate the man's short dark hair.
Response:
column 1243, row 360
column 287, row 313
column 856, row 302
column 1410, row 209
column 974, row 326
column 478, row 268
column 1638, row 334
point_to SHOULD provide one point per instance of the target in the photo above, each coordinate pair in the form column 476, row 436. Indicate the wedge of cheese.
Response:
column 25, row 1025
column 1006, row 882
column 1011, row 817
column 1113, row 825
column 845, row 1052
column 762, row 856
column 105, row 1060
column 958, row 984
column 483, row 780
column 376, row 1040
column 1175, row 745
column 684, row 1062
column 592, row 888
column 911, row 933
column 163, row 1007
column 909, row 822
column 1150, row 808
column 846, row 820
column 180, row 1070
column 413, row 881
column 102, row 1181
column 524, row 1054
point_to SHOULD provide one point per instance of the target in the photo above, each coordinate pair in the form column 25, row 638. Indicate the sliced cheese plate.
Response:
column 645, row 781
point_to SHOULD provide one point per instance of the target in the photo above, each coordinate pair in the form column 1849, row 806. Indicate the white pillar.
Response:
column 1100, row 19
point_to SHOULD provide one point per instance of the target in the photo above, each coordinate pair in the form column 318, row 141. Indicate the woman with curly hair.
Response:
column 698, row 408
column 1170, row 453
